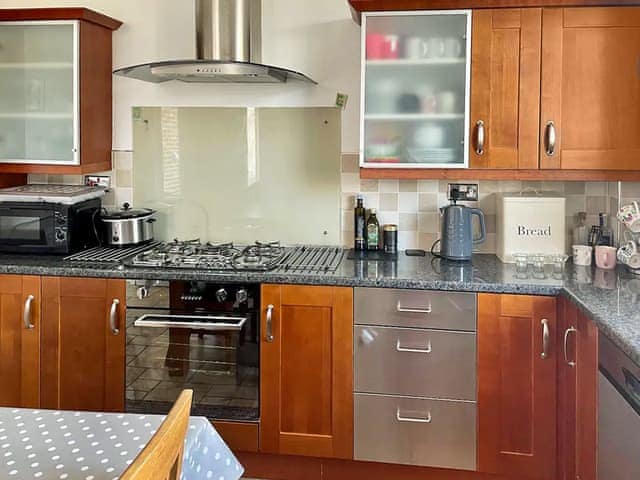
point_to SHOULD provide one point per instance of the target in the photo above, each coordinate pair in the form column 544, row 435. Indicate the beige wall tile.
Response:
column 350, row 163
column 428, row 185
column 389, row 186
column 575, row 204
column 408, row 202
column 490, row 223
column 427, row 202
column 407, row 240
column 123, row 178
column 56, row 179
column 350, row 182
column 574, row 188
column 389, row 201
column 122, row 159
column 630, row 190
column 392, row 217
column 408, row 185
column 425, row 241
column 596, row 189
column 408, row 222
column 596, row 205
column 371, row 200
column 37, row 178
column 428, row 222
column 368, row 185
column 348, row 200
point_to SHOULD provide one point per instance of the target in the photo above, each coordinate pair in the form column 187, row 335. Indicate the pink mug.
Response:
column 606, row 257
column 375, row 46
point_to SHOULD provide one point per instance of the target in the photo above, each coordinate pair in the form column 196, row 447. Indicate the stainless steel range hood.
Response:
column 228, row 49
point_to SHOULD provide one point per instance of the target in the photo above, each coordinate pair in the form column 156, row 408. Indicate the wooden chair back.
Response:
column 161, row 459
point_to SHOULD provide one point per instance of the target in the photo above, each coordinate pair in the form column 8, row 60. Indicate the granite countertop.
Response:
column 610, row 298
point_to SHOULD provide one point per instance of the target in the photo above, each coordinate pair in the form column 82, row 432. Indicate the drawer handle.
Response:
column 402, row 309
column 400, row 348
column 400, row 418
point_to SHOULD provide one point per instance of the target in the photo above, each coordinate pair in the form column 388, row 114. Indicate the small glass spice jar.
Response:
column 390, row 238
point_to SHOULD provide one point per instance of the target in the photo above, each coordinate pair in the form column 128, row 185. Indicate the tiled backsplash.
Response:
column 414, row 204
column 121, row 179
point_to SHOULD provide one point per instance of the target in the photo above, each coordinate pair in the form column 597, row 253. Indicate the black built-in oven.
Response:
column 197, row 335
column 45, row 227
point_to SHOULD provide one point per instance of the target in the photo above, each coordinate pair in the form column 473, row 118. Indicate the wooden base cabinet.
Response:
column 306, row 379
column 578, row 395
column 517, row 354
column 83, row 343
column 20, row 329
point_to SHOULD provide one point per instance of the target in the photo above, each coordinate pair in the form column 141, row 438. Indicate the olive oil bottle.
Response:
column 373, row 231
column 359, row 241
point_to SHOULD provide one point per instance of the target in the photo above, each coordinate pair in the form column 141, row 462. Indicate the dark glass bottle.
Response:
column 359, row 242
column 373, row 231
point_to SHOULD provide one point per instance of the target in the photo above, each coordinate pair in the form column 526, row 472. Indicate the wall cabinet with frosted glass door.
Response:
column 55, row 100
column 415, row 79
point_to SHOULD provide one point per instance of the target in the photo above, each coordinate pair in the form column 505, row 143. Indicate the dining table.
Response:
column 70, row 445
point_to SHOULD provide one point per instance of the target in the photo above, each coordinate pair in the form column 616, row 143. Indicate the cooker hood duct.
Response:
column 228, row 49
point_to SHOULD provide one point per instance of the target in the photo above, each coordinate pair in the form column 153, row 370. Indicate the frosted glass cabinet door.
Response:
column 415, row 72
column 38, row 92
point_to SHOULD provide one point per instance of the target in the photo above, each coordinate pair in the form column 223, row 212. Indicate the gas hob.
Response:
column 260, row 256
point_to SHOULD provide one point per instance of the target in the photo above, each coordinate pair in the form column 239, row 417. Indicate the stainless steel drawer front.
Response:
column 415, row 308
column 414, row 362
column 413, row 431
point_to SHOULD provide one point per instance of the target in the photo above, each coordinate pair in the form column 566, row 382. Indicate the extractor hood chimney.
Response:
column 228, row 49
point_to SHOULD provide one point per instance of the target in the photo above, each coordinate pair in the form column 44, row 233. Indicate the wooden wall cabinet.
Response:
column 83, row 356
column 505, row 89
column 306, row 371
column 20, row 328
column 517, row 353
column 590, row 89
column 577, row 395
column 55, row 104
column 554, row 93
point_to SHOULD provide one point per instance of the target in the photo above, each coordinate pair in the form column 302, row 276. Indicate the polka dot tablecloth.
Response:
column 57, row 445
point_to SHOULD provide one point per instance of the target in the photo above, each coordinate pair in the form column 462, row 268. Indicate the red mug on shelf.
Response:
column 380, row 46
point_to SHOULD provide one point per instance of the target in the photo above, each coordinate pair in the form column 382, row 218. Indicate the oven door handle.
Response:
column 191, row 321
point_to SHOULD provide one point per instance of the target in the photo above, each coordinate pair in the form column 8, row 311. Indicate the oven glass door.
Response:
column 26, row 226
column 217, row 356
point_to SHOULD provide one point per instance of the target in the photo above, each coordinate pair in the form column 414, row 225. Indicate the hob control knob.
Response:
column 241, row 296
column 221, row 295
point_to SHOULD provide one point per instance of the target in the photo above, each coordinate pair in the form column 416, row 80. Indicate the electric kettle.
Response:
column 456, row 241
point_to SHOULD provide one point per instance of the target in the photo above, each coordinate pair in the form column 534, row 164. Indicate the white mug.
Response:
column 416, row 48
column 435, row 47
column 452, row 47
column 582, row 255
column 447, row 102
column 629, row 216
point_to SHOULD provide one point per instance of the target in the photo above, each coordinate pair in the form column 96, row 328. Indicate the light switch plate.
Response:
column 97, row 181
column 465, row 192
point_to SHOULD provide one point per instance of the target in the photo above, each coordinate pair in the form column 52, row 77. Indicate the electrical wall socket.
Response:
column 97, row 181
column 466, row 192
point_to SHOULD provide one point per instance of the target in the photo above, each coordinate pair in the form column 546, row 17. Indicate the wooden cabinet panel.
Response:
column 505, row 89
column 83, row 359
column 306, row 371
column 19, row 345
column 578, row 395
column 516, row 385
column 590, row 88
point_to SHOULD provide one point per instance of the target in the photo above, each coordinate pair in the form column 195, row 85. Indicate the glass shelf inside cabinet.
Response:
column 416, row 84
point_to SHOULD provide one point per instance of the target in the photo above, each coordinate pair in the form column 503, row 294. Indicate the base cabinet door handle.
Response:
column 113, row 317
column 545, row 338
column 567, row 332
column 26, row 318
column 269, row 333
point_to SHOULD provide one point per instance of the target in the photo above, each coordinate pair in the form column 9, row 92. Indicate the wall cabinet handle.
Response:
column 566, row 339
column 550, row 139
column 400, row 348
column 545, row 338
column 401, row 309
column 269, row 333
column 26, row 318
column 400, row 418
column 479, row 137
column 113, row 317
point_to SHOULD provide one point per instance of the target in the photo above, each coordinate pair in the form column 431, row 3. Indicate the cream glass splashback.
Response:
column 240, row 174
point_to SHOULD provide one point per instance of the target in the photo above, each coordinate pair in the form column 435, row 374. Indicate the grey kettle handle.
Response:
column 483, row 227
